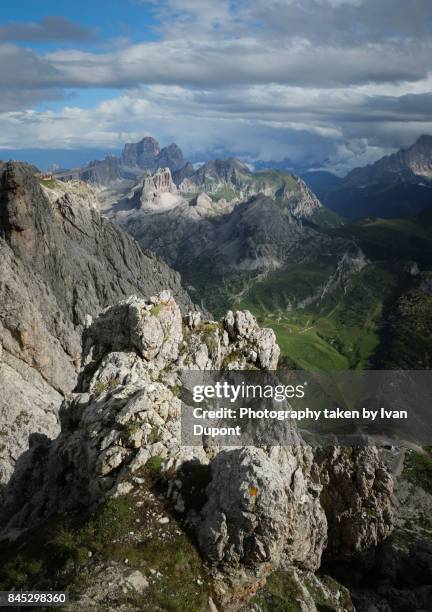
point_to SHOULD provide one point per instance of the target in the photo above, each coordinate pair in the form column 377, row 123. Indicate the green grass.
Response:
column 305, row 347
column 324, row 217
column 282, row 593
column 49, row 183
column 376, row 322
column 106, row 385
column 154, row 464
column 155, row 310
column 62, row 555
column 343, row 332
column 418, row 468
column 56, row 553
column 226, row 193
column 284, row 287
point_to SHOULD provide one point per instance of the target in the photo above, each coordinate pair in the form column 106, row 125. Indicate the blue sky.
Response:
column 108, row 18
column 324, row 83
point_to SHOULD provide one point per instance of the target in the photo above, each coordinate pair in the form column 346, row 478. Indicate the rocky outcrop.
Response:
column 357, row 498
column 60, row 263
column 147, row 155
column 127, row 410
column 154, row 193
column 28, row 404
column 158, row 191
column 253, row 511
column 266, row 513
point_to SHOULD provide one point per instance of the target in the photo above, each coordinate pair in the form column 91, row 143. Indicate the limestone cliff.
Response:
column 60, row 263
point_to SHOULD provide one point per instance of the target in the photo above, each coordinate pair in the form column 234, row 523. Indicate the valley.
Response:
column 263, row 241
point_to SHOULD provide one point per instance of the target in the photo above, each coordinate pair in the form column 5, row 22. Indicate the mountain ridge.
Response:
column 61, row 263
column 397, row 185
column 146, row 154
column 408, row 164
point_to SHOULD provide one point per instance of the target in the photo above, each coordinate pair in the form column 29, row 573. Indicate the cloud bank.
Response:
column 331, row 83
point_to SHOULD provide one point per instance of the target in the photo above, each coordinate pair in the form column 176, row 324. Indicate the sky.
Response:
column 325, row 84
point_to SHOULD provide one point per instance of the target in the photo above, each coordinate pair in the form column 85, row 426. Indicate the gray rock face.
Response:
column 171, row 157
column 242, row 325
column 158, row 191
column 153, row 329
column 102, row 172
column 142, row 153
column 126, row 411
column 267, row 511
column 357, row 497
column 60, row 262
column 185, row 172
column 28, row 404
column 147, row 155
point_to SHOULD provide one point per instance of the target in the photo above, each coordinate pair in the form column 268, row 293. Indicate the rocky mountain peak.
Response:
column 141, row 153
column 160, row 181
column 61, row 262
column 419, row 157
column 424, row 142
column 158, row 191
column 406, row 165
column 148, row 155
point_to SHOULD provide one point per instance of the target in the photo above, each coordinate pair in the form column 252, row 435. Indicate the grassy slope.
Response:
column 68, row 556
column 337, row 334
column 409, row 238
column 341, row 332
column 326, row 218
column 345, row 331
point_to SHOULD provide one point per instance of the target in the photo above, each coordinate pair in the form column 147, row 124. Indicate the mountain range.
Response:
column 396, row 185
column 226, row 228
column 135, row 158
column 98, row 496
column 263, row 240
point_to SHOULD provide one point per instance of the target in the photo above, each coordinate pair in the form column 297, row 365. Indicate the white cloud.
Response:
column 334, row 81
column 244, row 61
column 256, row 123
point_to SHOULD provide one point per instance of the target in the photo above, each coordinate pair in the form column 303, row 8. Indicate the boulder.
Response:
column 263, row 510
column 357, row 498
